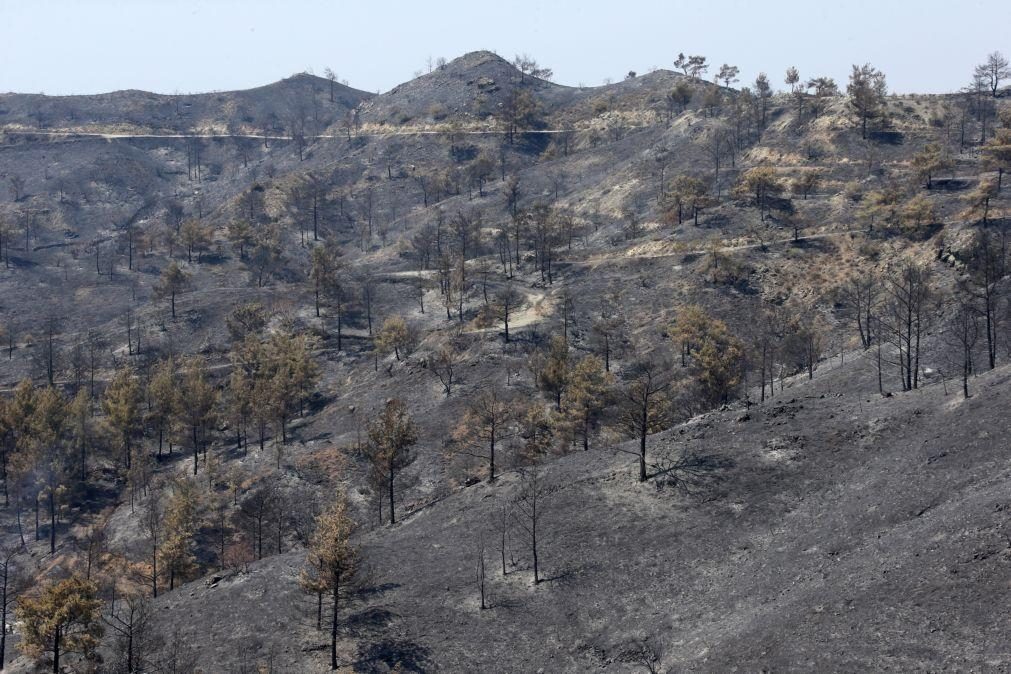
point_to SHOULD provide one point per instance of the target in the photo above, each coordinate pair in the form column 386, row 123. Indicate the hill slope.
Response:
column 838, row 531
column 828, row 528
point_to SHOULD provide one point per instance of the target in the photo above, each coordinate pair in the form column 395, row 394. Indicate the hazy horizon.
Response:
column 59, row 47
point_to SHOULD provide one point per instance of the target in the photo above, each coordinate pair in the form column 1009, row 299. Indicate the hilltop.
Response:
column 266, row 109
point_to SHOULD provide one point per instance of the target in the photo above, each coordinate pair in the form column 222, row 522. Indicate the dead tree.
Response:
column 529, row 510
column 128, row 619
column 480, row 577
column 644, row 406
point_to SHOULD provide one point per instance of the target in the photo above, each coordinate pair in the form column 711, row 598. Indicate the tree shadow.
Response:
column 22, row 263
column 949, row 184
column 377, row 590
column 563, row 575
column 689, row 472
column 403, row 653
column 505, row 603
column 886, row 137
column 368, row 619
column 814, row 245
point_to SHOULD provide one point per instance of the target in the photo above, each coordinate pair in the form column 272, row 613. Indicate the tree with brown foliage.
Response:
column 332, row 562
column 687, row 194
column 196, row 237
column 519, row 111
column 762, row 184
column 391, row 435
column 979, row 200
column 715, row 354
column 198, row 400
column 13, row 581
column 121, row 405
column 997, row 151
column 49, row 458
column 163, row 397
column 394, row 335
column 552, row 369
column 486, row 423
column 173, row 281
column 181, row 520
column 586, row 397
column 930, row 161
column 61, row 618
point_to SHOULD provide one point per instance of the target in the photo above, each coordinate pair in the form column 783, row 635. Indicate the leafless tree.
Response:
column 128, row 617
column 907, row 316
column 644, row 408
column 961, row 337
column 529, row 507
column 443, row 365
column 480, row 575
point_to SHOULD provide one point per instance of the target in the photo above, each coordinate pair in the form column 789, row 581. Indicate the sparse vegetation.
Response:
column 612, row 331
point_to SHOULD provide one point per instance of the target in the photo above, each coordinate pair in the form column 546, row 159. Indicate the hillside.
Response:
column 826, row 513
column 214, row 306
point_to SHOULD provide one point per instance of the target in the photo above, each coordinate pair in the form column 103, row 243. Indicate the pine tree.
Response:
column 707, row 345
column 929, row 162
column 866, row 91
column 290, row 373
column 163, row 394
column 762, row 184
column 321, row 270
column 197, row 402
column 121, row 405
column 393, row 336
column 62, row 617
column 239, row 404
column 181, row 522
column 48, row 453
column 173, row 281
column 332, row 562
column 391, row 436
column 585, row 397
column 484, row 426
column 998, row 151
column 79, row 418
column 552, row 369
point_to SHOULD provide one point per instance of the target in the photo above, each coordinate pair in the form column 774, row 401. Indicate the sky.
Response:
column 166, row 46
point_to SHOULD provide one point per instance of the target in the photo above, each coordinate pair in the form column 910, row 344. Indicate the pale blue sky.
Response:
column 87, row 46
